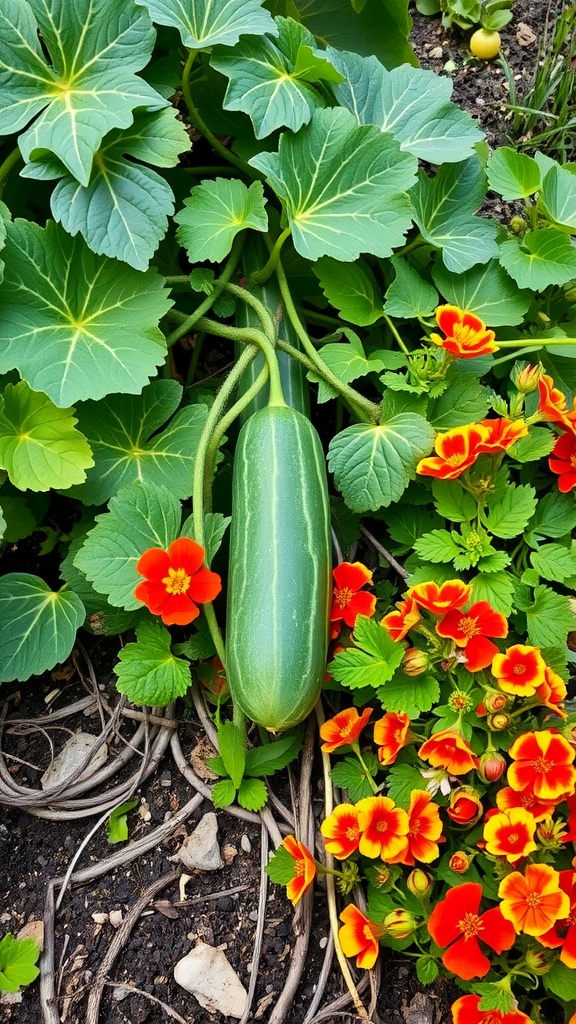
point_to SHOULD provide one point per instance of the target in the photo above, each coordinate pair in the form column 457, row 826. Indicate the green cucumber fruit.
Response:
column 279, row 585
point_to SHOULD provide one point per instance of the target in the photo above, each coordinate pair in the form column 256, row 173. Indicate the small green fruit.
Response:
column 485, row 45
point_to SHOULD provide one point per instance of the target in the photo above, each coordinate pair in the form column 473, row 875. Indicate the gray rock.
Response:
column 210, row 977
column 201, row 850
column 71, row 757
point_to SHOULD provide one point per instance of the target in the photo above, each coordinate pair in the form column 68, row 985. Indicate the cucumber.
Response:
column 279, row 586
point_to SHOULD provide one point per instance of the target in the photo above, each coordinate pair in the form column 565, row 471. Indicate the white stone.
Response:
column 201, row 850
column 71, row 756
column 210, row 977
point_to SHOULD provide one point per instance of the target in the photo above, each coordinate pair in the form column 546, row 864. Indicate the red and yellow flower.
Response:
column 470, row 630
column 341, row 831
column 424, row 830
column 507, row 798
column 466, row 334
column 562, row 461
column 533, row 902
column 552, row 404
column 448, row 749
column 343, row 729
column 520, row 670
column 459, row 862
column 552, row 692
column 360, row 937
column 456, row 450
column 502, row 434
column 400, row 622
column 456, row 923
column 543, row 764
column 304, row 869
column 349, row 600
column 383, row 827
column 466, row 1011
column 510, row 834
column 175, row 582
column 441, row 598
column 563, row 932
column 465, row 807
column 391, row 734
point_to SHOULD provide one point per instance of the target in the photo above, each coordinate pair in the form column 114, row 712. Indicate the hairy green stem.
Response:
column 513, row 355
column 7, row 165
column 173, row 279
column 250, row 336
column 189, row 322
column 539, row 342
column 261, row 276
column 233, row 413
column 246, row 296
column 396, row 335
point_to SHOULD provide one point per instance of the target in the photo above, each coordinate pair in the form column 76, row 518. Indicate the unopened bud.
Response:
column 498, row 721
column 495, row 700
column 525, row 377
column 415, row 662
column 399, row 924
column 419, row 882
column 492, row 766
column 465, row 807
column 539, row 961
column 543, row 317
column 551, row 833
column 517, row 224
column 570, row 294
column 459, row 862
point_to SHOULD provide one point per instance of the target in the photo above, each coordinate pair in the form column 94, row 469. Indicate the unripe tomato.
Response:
column 485, row 45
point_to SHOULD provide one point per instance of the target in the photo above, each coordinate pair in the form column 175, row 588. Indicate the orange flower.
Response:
column 400, row 623
column 359, row 937
column 424, row 830
column 543, row 764
column 507, row 798
column 175, row 583
column 441, row 599
column 533, row 902
column 341, row 831
column 456, row 451
column 455, row 923
column 466, row 334
column 552, row 692
column 470, row 630
column 349, row 601
column 459, row 862
column 466, row 1011
column 520, row 670
column 510, row 834
column 563, row 933
column 563, row 462
column 502, row 434
column 343, row 729
column 465, row 807
column 304, row 869
column 552, row 403
column 448, row 749
column 383, row 826
column 391, row 734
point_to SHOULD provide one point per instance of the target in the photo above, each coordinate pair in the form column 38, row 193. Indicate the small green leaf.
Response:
column 538, row 442
column 555, row 515
column 348, row 362
column 215, row 526
column 350, row 775
column 559, row 196
column 553, row 562
column 402, row 780
column 17, row 962
column 200, row 646
column 272, row 757
column 205, row 23
column 485, row 290
column 40, row 446
column 410, row 695
column 464, row 401
column 231, row 743
column 223, row 793
column 405, row 525
column 453, row 502
column 252, row 794
column 372, row 661
column 281, row 867
column 549, row 618
column 409, row 295
column 37, row 625
column 508, row 514
column 493, row 562
column 148, row 672
column 495, row 996
column 214, row 214
column 426, row 970
column 560, row 981
column 495, row 587
column 514, row 175
column 437, row 546
column 543, row 257
column 118, row 822
column 350, row 289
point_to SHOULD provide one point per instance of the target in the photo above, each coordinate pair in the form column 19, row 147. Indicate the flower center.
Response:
column 343, row 597
column 470, row 925
column 572, row 461
column 468, row 626
column 457, row 459
column 519, row 670
column 381, row 826
column 352, row 833
column 465, row 336
column 541, row 765
column 177, row 581
column 299, row 868
column 533, row 899
column 513, row 838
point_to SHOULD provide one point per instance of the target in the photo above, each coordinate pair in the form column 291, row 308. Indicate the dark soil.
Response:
column 222, row 905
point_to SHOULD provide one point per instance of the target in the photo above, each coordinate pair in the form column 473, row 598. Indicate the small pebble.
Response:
column 323, row 942
column 253, row 915
column 245, row 844
column 166, row 780
column 437, row 52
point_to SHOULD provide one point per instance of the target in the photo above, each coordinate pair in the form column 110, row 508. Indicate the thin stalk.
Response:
column 173, row 279
column 540, row 342
column 250, row 336
column 231, row 415
column 396, row 335
column 268, row 325
column 366, row 410
column 261, row 276
column 189, row 322
column 195, row 359
column 513, row 355
column 7, row 165
column 410, row 246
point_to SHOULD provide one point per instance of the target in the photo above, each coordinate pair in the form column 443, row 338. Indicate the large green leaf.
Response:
column 379, row 27
column 464, row 401
column 514, row 175
column 5, row 218
column 264, row 80
column 89, row 85
column 409, row 295
column 73, row 325
column 40, row 446
column 350, row 289
column 37, row 625
column 204, row 23
column 541, row 258
column 214, row 214
column 373, row 465
column 349, row 362
column 343, row 187
column 129, row 444
column 559, row 196
column 444, row 213
column 141, row 516
column 148, row 672
column 123, row 211
column 486, row 290
column 410, row 103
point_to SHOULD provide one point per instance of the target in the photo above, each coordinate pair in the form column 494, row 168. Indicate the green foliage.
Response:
column 214, row 214
column 349, row 774
column 117, row 825
column 351, row 290
column 17, row 962
column 372, row 661
column 149, row 673
column 37, row 625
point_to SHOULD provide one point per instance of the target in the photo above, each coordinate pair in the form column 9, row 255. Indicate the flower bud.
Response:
column 539, row 961
column 495, row 700
column 498, row 721
column 419, row 882
column 570, row 294
column 459, row 862
column 465, row 807
column 517, row 225
column 525, row 377
column 492, row 766
column 415, row 662
column 399, row 924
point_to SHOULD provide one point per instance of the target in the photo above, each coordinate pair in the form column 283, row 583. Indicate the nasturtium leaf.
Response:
column 133, row 442
column 148, row 673
column 409, row 694
column 445, row 206
column 37, row 625
column 205, row 23
column 350, row 289
column 559, row 196
column 560, row 981
column 373, row 464
column 19, row 519
column 554, row 562
column 409, row 295
column 543, row 257
column 485, row 290
column 538, row 442
column 343, row 187
column 410, row 103
column 123, row 210
column 372, row 661
column 549, row 618
column 348, row 362
column 18, row 962
column 464, row 401
column 264, row 81
column 453, row 502
column 507, row 515
column 40, row 446
column 513, row 175
column 73, row 325
column 214, row 214
column 495, row 587
column 140, row 516
column 88, row 85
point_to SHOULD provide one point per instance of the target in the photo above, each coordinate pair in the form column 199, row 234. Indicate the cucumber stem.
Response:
column 189, row 322
column 7, row 166
column 261, row 276
column 229, row 418
column 250, row 336
column 250, row 299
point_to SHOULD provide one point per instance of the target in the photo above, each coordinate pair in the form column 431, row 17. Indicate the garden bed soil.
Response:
column 220, row 906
